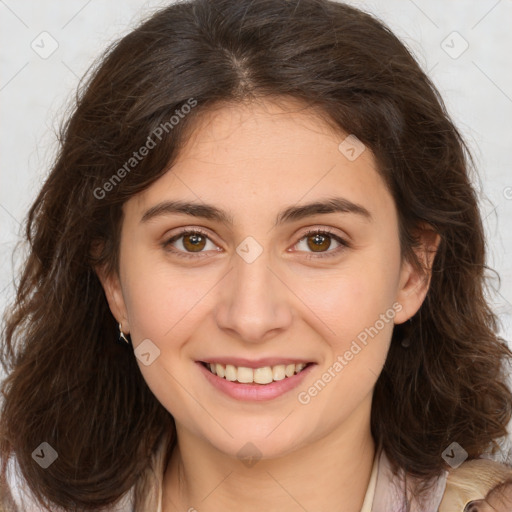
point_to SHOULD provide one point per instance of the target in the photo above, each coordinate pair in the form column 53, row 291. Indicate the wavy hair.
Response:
column 71, row 385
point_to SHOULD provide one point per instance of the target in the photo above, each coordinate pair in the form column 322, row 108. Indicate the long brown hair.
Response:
column 71, row 385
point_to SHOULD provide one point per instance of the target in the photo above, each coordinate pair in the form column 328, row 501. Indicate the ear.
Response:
column 414, row 284
column 111, row 284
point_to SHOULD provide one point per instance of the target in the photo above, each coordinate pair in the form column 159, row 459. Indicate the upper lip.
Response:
column 255, row 363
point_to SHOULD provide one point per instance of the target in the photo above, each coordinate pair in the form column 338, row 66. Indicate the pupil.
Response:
column 319, row 242
column 194, row 241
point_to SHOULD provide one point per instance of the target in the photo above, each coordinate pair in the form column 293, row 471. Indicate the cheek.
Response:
column 157, row 296
column 357, row 306
column 353, row 300
column 163, row 305
column 359, row 312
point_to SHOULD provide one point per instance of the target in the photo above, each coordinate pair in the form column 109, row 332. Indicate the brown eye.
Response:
column 194, row 242
column 191, row 242
column 320, row 241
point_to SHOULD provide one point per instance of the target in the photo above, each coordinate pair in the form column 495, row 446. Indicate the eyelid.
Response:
column 186, row 231
column 344, row 244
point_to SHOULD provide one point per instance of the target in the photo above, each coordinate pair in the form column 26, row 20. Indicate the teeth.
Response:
column 278, row 372
column 230, row 372
column 289, row 370
column 263, row 375
column 219, row 370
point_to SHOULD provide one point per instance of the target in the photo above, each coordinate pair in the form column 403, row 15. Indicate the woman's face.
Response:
column 254, row 289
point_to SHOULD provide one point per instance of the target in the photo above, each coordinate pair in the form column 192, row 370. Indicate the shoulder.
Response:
column 473, row 480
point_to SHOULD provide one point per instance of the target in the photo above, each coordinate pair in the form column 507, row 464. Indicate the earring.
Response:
column 406, row 336
column 406, row 342
column 472, row 506
column 122, row 336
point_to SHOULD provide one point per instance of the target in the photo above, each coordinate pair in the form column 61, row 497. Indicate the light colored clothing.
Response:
column 370, row 491
column 383, row 494
column 153, row 502
column 385, row 491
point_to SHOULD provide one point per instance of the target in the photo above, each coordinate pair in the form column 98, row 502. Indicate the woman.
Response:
column 268, row 205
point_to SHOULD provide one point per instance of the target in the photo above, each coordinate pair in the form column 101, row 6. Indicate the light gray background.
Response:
column 35, row 89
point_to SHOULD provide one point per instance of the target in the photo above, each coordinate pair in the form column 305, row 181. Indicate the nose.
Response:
column 254, row 302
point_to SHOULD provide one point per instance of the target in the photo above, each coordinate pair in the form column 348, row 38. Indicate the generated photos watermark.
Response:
column 151, row 142
column 305, row 397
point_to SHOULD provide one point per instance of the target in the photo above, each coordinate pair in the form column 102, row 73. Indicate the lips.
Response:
column 254, row 391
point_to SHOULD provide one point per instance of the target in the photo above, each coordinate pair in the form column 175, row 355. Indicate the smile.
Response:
column 263, row 375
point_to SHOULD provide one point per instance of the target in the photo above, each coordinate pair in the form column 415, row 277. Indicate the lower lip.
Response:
column 255, row 392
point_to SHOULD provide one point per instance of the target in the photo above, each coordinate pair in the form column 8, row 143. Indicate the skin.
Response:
column 253, row 160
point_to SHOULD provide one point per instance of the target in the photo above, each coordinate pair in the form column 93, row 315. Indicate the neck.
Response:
column 330, row 473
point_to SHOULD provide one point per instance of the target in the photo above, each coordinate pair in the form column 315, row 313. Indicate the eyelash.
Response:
column 328, row 254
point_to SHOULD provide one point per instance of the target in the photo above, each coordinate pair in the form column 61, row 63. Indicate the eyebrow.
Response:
column 290, row 214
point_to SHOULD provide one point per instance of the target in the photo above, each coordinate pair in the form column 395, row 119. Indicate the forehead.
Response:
column 264, row 154
column 286, row 126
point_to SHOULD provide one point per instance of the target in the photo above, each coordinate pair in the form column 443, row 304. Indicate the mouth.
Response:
column 257, row 376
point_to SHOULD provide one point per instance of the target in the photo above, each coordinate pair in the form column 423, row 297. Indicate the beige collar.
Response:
column 370, row 491
column 385, row 491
